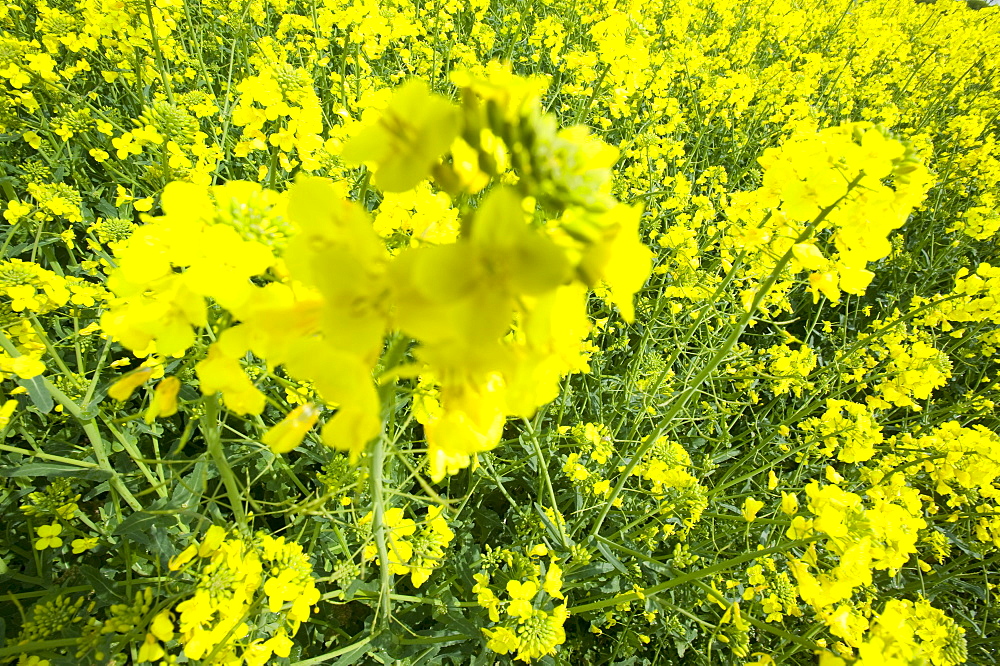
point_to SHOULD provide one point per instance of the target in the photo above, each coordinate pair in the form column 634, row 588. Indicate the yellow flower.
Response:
column 164, row 402
column 257, row 654
column 219, row 372
column 32, row 138
column 122, row 389
column 6, row 412
column 290, row 432
column 750, row 508
column 23, row 366
column 162, row 626
column 16, row 211
column 212, row 540
column 485, row 596
column 280, row 644
column 619, row 258
column 553, row 581
column 126, row 145
column 410, row 135
column 182, row 558
column 398, row 528
column 501, row 640
column 789, row 503
column 540, row 633
column 150, row 650
column 83, row 544
column 521, row 598
column 48, row 536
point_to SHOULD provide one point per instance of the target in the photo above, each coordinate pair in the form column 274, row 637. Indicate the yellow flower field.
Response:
column 449, row 332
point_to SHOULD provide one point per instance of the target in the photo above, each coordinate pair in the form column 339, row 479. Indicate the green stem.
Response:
column 161, row 65
column 45, row 456
column 136, row 456
column 38, row 646
column 211, row 430
column 544, row 469
column 379, row 531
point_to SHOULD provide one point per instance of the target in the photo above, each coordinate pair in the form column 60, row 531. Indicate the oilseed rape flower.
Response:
column 907, row 632
column 529, row 630
column 340, row 229
column 429, row 545
column 164, row 399
column 825, row 188
column 289, row 433
column 522, row 595
column 232, row 574
column 32, row 288
column 48, row 536
column 124, row 387
column 398, row 529
column 407, row 138
column 750, row 508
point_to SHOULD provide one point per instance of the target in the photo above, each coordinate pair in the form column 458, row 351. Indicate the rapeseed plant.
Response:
column 486, row 332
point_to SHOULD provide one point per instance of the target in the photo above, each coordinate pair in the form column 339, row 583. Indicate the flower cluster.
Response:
column 905, row 632
column 826, row 188
column 860, row 536
column 906, row 363
column 662, row 485
column 412, row 550
column 527, row 623
column 234, row 576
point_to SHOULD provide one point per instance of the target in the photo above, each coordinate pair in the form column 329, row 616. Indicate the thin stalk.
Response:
column 689, row 577
column 89, row 428
column 160, row 64
column 544, row 469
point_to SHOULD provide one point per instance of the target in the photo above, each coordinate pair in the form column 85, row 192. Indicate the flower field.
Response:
column 470, row 332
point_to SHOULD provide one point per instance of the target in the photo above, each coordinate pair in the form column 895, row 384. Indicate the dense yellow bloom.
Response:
column 233, row 575
column 400, row 546
column 220, row 373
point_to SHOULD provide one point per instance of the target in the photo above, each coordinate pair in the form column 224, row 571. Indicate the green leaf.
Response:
column 38, row 393
column 104, row 590
column 49, row 469
column 140, row 526
column 611, row 559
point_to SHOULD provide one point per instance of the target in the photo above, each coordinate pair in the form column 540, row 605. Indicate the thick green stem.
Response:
column 160, row 63
column 211, row 430
column 380, row 530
